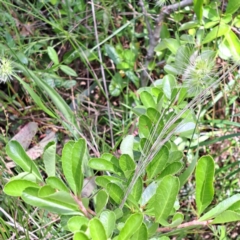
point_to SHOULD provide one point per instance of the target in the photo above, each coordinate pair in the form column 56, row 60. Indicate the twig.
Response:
column 154, row 36
column 184, row 225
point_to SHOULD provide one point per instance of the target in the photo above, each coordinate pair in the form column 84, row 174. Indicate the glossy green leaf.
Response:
column 132, row 225
column 77, row 157
column 103, row 165
column 45, row 191
column 69, row 71
column 57, row 183
column 127, row 165
column 126, row 146
column 188, row 172
column 158, row 163
column 49, row 158
column 141, row 234
column 154, row 115
column 80, row 236
column 137, row 189
column 204, row 175
column 19, row 156
column 115, row 192
column 189, row 25
column 198, row 8
column 30, row 196
column 101, row 200
column 102, row 181
column 53, row 55
column 108, row 219
column 169, row 83
column 16, row 187
column 232, row 6
column 25, row 176
column 147, row 99
column 226, row 217
column 67, row 164
column 165, row 197
column 171, row 169
column 221, row 207
column 216, row 32
column 97, row 230
column 76, row 222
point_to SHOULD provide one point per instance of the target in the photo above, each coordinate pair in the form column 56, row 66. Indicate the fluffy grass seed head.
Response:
column 200, row 73
column 6, row 70
column 198, row 69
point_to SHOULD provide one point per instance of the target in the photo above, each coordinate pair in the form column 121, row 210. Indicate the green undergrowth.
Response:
column 134, row 158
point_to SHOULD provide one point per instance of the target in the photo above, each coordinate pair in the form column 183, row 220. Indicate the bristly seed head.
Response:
column 6, row 70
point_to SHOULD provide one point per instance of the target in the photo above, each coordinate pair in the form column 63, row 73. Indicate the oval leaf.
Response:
column 97, row 230
column 165, row 197
column 19, row 156
column 204, row 182
column 132, row 224
column 53, row 55
column 16, row 187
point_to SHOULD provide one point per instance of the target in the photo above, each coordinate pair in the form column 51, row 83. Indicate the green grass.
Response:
column 28, row 29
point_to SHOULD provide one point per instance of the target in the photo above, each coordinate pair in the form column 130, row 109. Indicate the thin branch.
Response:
column 185, row 225
column 155, row 35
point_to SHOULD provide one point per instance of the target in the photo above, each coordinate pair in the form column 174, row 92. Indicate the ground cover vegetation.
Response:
column 119, row 119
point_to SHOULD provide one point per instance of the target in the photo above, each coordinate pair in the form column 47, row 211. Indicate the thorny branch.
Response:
column 154, row 35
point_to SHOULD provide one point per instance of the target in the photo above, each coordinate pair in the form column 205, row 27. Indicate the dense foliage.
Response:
column 144, row 97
